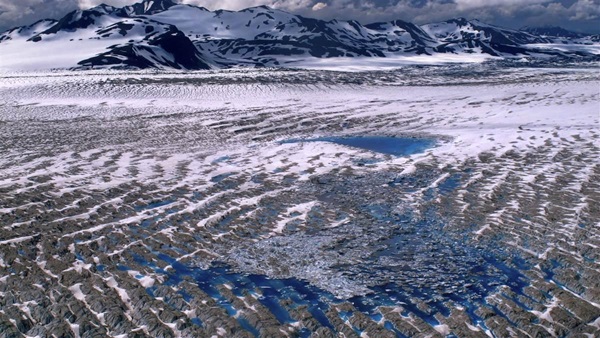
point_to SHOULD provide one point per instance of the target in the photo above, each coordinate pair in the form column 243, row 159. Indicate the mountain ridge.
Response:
column 162, row 34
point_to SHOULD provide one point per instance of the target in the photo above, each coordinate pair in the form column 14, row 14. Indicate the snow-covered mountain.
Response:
column 559, row 34
column 164, row 34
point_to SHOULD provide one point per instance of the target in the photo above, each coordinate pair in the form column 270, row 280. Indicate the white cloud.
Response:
column 319, row 6
column 585, row 10
column 464, row 5
column 289, row 5
column 227, row 4
column 22, row 12
column 85, row 4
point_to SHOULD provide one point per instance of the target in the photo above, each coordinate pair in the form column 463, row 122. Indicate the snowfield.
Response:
column 173, row 204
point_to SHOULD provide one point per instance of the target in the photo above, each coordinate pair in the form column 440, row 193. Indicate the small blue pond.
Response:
column 397, row 146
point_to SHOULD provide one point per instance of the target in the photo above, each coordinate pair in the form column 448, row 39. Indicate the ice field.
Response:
column 430, row 201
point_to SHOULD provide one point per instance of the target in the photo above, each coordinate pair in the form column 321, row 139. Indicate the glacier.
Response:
column 171, row 203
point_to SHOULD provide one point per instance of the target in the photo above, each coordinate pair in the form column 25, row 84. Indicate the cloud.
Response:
column 85, row 4
column 21, row 12
column 228, row 4
column 572, row 14
column 585, row 10
column 466, row 5
column 319, row 6
column 289, row 5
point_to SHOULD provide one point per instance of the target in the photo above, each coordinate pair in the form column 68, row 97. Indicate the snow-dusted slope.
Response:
column 399, row 32
column 157, row 46
column 463, row 36
column 552, row 32
column 201, row 24
column 163, row 34
column 26, row 32
column 101, row 36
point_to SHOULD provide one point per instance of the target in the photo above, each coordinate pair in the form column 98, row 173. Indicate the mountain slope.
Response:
column 552, row 31
column 163, row 46
column 27, row 31
column 164, row 34
column 560, row 35
column 105, row 36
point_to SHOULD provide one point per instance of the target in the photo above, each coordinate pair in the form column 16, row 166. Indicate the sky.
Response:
column 577, row 15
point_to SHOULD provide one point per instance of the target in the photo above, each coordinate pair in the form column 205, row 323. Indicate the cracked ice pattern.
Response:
column 158, row 204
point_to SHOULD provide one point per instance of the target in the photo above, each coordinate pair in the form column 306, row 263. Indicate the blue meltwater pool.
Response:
column 397, row 146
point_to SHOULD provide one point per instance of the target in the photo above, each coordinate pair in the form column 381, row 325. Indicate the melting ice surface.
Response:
column 397, row 146
column 300, row 293
column 438, row 268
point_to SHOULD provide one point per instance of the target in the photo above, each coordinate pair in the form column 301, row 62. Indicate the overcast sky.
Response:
column 578, row 15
